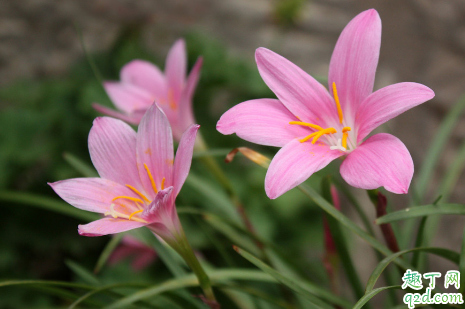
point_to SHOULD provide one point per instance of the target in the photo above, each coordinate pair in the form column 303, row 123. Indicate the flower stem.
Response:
column 183, row 247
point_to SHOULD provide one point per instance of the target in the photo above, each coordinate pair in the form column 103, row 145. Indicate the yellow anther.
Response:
column 135, row 212
column 318, row 134
column 306, row 124
column 345, row 135
column 163, row 183
column 338, row 104
column 138, row 193
column 134, row 199
column 154, row 186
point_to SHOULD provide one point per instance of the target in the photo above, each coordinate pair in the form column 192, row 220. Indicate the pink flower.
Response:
column 314, row 126
column 142, row 83
column 142, row 254
column 139, row 177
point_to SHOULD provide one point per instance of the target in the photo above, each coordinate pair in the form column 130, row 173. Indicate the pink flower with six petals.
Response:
column 139, row 177
column 142, row 83
column 314, row 126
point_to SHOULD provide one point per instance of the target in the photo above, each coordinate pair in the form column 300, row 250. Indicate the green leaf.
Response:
column 48, row 204
column 216, row 276
column 216, row 199
column 462, row 264
column 107, row 251
column 309, row 290
column 422, row 211
column 168, row 256
column 434, row 151
column 83, row 273
column 362, row 301
column 45, row 282
column 80, row 166
column 341, row 244
column 320, row 201
column 419, row 242
column 445, row 253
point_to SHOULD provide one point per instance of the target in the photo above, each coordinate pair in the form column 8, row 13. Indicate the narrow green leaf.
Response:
column 320, row 201
column 46, row 282
column 47, row 203
column 231, row 233
column 452, row 174
column 434, row 151
column 215, row 199
column 82, row 273
column 80, row 166
column 462, row 264
column 168, row 256
column 445, row 253
column 372, row 293
column 419, row 242
column 341, row 244
column 216, row 276
column 107, row 251
column 421, row 211
column 309, row 290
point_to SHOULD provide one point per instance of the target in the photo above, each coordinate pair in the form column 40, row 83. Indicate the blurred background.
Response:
column 47, row 87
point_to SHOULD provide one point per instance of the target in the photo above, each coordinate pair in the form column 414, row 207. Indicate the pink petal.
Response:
column 294, row 164
column 162, row 208
column 382, row 160
column 112, row 147
column 175, row 70
column 115, row 114
column 261, row 121
column 306, row 98
column 388, row 102
column 143, row 259
column 145, row 75
column 354, row 61
column 91, row 194
column 155, row 150
column 127, row 97
column 183, row 160
column 107, row 226
column 186, row 113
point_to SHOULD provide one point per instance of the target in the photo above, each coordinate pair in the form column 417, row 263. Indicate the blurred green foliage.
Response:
column 42, row 119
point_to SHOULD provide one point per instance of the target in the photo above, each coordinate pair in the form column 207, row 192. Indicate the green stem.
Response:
column 182, row 246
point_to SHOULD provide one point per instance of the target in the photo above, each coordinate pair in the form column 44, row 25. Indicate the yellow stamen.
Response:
column 138, row 193
column 134, row 199
column 154, row 186
column 306, row 124
column 318, row 134
column 345, row 135
column 135, row 212
column 338, row 104
column 163, row 183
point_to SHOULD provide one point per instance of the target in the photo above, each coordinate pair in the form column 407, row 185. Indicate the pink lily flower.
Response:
column 142, row 83
column 314, row 126
column 141, row 254
column 139, row 177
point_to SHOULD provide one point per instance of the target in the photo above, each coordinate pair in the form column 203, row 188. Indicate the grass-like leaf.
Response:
column 216, row 276
column 107, row 251
column 372, row 293
column 310, row 291
column 47, row 204
column 445, row 253
column 82, row 273
column 343, row 220
column 80, row 166
column 422, row 211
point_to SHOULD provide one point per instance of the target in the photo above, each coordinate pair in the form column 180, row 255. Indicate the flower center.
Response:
column 133, row 207
column 334, row 142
